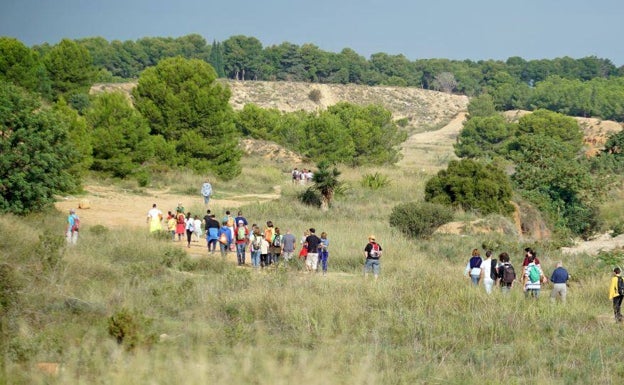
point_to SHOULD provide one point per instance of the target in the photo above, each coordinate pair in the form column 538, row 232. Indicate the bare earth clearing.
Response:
column 427, row 151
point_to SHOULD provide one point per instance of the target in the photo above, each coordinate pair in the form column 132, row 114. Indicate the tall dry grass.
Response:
column 421, row 322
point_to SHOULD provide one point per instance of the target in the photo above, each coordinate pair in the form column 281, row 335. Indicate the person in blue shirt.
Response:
column 225, row 246
column 559, row 278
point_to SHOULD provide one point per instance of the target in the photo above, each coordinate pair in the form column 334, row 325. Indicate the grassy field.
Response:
column 202, row 320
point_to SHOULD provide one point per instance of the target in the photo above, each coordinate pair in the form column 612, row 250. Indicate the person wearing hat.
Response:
column 372, row 253
column 73, row 223
column 242, row 238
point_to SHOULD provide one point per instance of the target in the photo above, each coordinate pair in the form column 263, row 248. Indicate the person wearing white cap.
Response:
column 242, row 238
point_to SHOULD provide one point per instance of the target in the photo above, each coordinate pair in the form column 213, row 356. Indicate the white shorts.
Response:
column 312, row 261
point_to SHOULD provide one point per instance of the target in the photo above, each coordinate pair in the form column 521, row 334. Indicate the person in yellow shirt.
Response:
column 171, row 225
column 614, row 294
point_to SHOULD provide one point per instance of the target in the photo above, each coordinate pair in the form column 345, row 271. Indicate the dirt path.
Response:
column 431, row 151
column 115, row 208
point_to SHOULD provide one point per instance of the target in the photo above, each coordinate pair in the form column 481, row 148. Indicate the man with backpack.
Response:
column 275, row 250
column 506, row 275
column 372, row 253
column 242, row 237
column 616, row 293
column 533, row 277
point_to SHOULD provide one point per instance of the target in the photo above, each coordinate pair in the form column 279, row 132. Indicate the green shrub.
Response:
column 471, row 185
column 162, row 235
column 143, row 178
column 310, row 197
column 98, row 230
column 131, row 329
column 375, row 181
column 50, row 249
column 419, row 220
column 10, row 287
column 174, row 257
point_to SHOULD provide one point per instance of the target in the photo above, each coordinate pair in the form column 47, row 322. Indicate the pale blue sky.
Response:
column 452, row 29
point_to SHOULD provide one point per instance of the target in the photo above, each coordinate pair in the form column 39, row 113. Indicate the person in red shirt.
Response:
column 242, row 238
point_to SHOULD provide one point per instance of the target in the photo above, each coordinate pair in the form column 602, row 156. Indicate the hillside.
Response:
column 423, row 109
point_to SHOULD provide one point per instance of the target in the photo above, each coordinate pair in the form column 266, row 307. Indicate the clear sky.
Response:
column 451, row 29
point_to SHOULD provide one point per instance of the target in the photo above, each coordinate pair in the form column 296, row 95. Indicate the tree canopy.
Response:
column 35, row 153
column 471, row 185
column 182, row 102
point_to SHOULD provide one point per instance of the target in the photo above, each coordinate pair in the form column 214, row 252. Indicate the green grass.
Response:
column 421, row 322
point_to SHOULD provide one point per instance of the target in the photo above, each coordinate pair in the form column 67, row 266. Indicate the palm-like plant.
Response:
column 326, row 182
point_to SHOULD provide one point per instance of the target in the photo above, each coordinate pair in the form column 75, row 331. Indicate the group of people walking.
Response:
column 302, row 176
column 501, row 273
column 266, row 245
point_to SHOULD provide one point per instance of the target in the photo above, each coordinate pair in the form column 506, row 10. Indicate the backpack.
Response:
column 223, row 239
column 620, row 286
column 277, row 241
column 534, row 274
column 268, row 234
column 257, row 243
column 509, row 274
column 493, row 270
column 374, row 252
column 230, row 221
column 180, row 218
column 240, row 233
column 76, row 225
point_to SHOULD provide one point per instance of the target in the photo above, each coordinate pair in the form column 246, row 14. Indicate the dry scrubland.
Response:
column 198, row 319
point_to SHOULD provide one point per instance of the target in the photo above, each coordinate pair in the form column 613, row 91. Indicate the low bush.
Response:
column 131, row 329
column 375, row 181
column 315, row 95
column 310, row 197
column 419, row 220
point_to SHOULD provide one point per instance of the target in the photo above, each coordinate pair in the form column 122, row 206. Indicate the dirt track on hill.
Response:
column 115, row 208
column 431, row 151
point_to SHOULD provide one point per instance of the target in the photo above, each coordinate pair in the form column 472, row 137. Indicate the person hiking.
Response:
column 206, row 192
column 616, row 293
column 324, row 251
column 533, row 277
column 559, row 278
column 154, row 219
column 488, row 271
column 242, row 238
column 73, row 227
column 312, row 242
column 506, row 275
column 225, row 238
column 212, row 233
column 473, row 267
column 372, row 253
column 255, row 246
column 288, row 245
column 275, row 250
